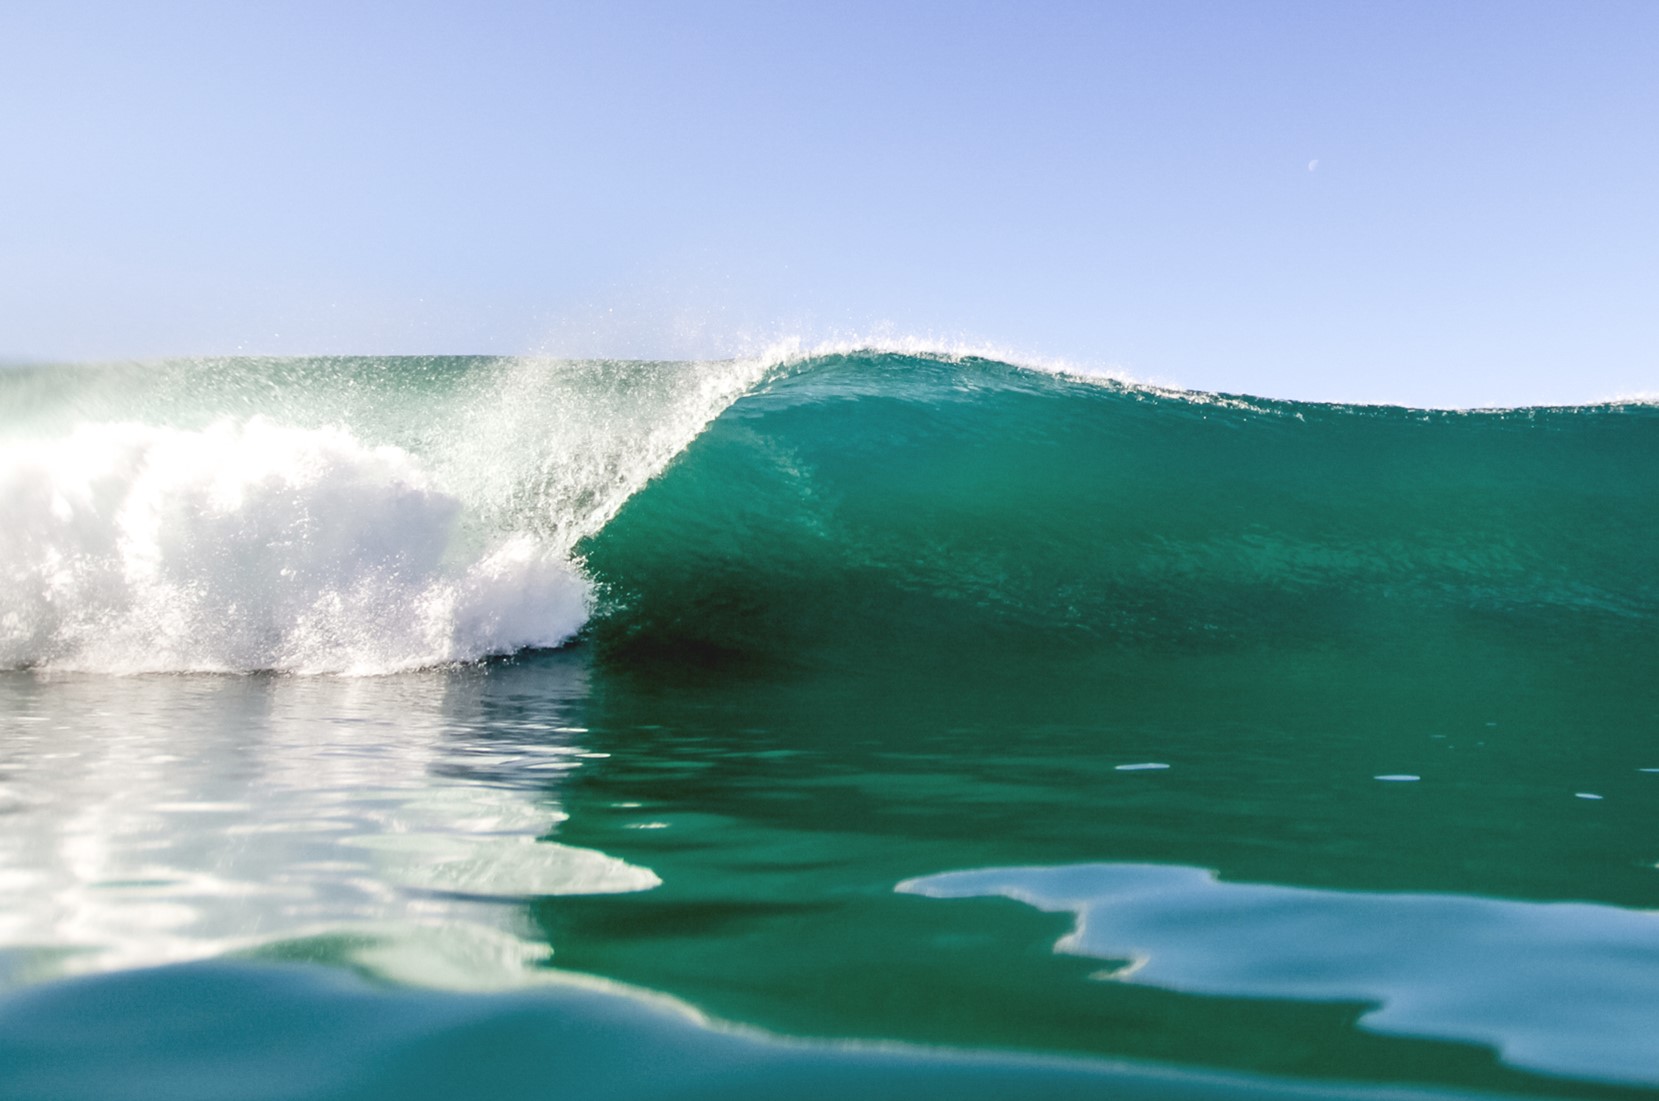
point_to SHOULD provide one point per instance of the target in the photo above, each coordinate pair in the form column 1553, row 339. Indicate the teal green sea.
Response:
column 845, row 723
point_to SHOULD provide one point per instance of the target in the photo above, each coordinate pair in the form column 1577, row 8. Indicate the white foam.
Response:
column 253, row 545
column 374, row 517
column 1634, row 397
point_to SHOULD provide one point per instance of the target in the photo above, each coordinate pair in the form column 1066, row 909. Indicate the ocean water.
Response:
column 855, row 722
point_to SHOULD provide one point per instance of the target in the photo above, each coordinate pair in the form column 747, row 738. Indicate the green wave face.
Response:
column 1282, row 737
column 862, row 510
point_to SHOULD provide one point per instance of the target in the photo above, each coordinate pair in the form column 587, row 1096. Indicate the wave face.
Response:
column 864, row 509
column 356, row 516
column 847, row 509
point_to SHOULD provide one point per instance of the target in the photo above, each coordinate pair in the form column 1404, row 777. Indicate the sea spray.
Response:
column 310, row 516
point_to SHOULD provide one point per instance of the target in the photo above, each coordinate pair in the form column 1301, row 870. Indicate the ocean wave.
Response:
column 860, row 509
column 371, row 515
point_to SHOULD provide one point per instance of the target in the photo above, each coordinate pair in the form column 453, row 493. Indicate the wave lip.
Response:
column 251, row 545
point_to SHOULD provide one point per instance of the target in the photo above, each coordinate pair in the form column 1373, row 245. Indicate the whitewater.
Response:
column 367, row 517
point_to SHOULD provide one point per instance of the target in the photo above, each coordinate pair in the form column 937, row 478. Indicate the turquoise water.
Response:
column 852, row 722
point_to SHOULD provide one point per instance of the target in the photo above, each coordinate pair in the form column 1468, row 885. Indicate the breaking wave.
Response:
column 371, row 515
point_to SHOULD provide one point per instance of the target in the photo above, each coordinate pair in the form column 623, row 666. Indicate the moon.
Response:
column 1313, row 165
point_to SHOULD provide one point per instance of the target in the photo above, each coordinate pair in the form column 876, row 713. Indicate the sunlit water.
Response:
column 529, row 824
column 156, row 820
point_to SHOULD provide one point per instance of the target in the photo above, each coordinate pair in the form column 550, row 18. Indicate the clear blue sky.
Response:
column 1118, row 184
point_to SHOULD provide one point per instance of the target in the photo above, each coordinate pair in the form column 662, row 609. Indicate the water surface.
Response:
column 853, row 723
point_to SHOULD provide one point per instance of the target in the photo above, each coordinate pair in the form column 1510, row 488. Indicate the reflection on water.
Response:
column 392, row 822
column 1562, row 988
column 413, row 828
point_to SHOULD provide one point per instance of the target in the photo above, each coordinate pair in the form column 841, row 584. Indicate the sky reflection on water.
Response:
column 1562, row 988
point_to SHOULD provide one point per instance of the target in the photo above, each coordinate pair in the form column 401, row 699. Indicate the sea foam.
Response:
column 252, row 545
column 325, row 515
